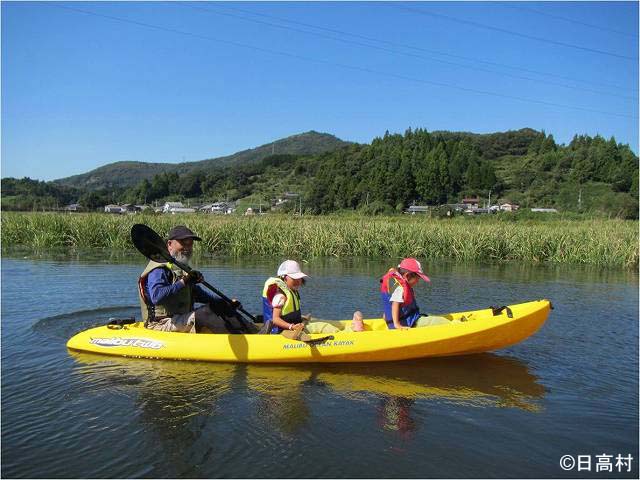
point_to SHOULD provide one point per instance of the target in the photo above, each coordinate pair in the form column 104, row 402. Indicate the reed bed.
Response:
column 610, row 243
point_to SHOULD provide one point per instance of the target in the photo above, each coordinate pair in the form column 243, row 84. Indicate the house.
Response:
column 74, row 207
column 279, row 202
column 479, row 211
column 509, row 207
column 176, row 207
column 470, row 203
column 169, row 205
column 130, row 208
column 175, row 210
column 219, row 208
column 456, row 207
column 413, row 209
column 114, row 209
column 544, row 210
column 206, row 208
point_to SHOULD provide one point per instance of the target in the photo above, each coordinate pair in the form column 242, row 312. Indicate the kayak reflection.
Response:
column 180, row 406
column 481, row 380
column 182, row 398
column 187, row 385
column 485, row 380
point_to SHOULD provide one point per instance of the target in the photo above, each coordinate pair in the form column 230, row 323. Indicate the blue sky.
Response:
column 89, row 83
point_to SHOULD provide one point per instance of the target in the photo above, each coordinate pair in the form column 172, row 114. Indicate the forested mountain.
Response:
column 128, row 174
column 28, row 194
column 436, row 168
column 526, row 167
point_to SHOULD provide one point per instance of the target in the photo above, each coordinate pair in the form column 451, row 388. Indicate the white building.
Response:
column 115, row 209
column 509, row 207
column 544, row 210
column 176, row 207
column 413, row 209
column 219, row 207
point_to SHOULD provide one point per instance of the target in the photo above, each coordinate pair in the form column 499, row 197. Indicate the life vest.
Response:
column 181, row 302
column 290, row 310
column 409, row 310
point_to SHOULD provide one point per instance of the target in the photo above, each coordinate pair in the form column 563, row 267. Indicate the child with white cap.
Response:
column 281, row 305
column 281, row 298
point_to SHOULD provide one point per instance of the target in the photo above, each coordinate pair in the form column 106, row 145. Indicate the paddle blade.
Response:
column 149, row 243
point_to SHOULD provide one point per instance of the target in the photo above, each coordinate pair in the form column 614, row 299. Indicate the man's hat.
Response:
column 181, row 232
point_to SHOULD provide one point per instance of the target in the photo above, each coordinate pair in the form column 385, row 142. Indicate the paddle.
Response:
column 152, row 246
column 313, row 341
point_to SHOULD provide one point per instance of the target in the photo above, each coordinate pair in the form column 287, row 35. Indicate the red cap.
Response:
column 413, row 265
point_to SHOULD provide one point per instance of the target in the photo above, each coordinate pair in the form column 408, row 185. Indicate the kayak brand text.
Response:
column 335, row 343
column 127, row 342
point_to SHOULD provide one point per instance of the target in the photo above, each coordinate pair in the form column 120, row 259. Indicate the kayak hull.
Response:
column 468, row 332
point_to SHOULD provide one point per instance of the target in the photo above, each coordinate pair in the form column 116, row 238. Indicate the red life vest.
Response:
column 409, row 310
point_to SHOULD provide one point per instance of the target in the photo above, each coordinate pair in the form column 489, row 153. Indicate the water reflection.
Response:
column 182, row 404
column 373, row 267
column 394, row 414
column 392, row 390
column 177, row 403
column 184, row 388
column 480, row 380
column 281, row 398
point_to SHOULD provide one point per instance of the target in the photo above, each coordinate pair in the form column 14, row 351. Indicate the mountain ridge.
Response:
column 125, row 174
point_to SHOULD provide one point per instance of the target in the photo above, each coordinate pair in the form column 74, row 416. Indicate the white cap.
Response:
column 291, row 268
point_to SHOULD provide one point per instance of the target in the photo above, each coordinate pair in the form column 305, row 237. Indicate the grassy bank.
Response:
column 611, row 243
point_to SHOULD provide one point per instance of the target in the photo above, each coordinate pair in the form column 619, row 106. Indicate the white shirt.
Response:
column 278, row 300
column 397, row 295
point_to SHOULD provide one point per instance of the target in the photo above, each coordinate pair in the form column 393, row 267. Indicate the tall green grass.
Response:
column 612, row 243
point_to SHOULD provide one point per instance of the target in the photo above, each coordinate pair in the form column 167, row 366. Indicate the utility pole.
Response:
column 489, row 199
column 580, row 200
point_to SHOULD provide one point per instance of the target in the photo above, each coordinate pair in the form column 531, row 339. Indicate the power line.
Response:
column 411, row 47
column 511, row 32
column 570, row 20
column 341, row 65
column 412, row 55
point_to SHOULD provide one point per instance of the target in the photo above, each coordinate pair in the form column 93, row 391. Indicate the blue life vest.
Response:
column 409, row 310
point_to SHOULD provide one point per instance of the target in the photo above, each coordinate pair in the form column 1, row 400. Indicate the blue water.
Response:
column 571, row 389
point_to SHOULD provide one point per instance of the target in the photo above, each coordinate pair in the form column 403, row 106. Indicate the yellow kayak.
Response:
column 467, row 332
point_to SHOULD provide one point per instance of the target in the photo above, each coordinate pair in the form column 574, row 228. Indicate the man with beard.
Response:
column 167, row 294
